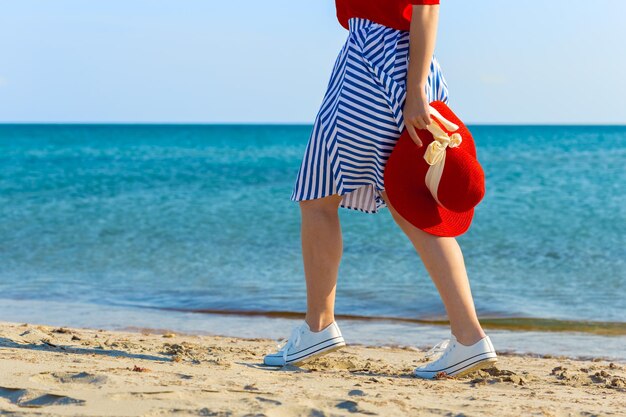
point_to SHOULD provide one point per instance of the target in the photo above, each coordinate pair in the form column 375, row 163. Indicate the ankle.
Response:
column 317, row 324
column 469, row 337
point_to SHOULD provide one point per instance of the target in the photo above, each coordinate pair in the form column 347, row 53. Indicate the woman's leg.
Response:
column 443, row 259
column 322, row 248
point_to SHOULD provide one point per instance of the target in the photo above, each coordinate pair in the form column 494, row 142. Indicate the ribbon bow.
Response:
column 435, row 154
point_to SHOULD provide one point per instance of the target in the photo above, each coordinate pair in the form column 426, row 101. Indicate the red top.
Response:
column 392, row 13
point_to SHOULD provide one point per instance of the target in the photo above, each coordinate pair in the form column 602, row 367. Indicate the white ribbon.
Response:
column 435, row 154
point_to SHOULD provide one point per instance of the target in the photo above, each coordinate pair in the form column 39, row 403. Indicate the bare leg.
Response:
column 322, row 248
column 443, row 259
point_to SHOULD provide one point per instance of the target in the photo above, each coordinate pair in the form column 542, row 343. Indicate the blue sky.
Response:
column 558, row 61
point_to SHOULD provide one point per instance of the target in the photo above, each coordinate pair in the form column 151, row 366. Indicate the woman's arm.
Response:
column 422, row 38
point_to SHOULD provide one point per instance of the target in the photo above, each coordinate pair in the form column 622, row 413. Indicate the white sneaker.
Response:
column 456, row 359
column 304, row 344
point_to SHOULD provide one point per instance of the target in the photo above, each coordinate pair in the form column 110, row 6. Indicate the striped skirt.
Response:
column 360, row 119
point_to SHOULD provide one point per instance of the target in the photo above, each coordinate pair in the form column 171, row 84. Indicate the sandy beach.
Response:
column 47, row 371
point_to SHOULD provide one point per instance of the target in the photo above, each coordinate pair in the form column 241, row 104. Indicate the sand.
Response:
column 48, row 371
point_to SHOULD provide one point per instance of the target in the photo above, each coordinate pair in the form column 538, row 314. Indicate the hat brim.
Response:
column 404, row 180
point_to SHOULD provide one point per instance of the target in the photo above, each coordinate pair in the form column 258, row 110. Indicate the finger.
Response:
column 417, row 123
column 413, row 134
column 427, row 119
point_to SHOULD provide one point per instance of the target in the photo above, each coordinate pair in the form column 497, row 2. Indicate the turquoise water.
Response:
column 199, row 218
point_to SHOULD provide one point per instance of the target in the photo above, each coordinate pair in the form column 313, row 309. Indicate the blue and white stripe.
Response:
column 360, row 119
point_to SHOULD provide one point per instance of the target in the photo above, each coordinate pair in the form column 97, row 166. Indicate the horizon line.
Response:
column 129, row 123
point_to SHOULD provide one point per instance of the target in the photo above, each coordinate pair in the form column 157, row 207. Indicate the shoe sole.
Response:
column 487, row 363
column 316, row 354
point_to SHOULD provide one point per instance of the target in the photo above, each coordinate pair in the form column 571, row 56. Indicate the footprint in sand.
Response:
column 494, row 375
column 70, row 378
column 33, row 336
column 35, row 398
column 353, row 407
column 293, row 410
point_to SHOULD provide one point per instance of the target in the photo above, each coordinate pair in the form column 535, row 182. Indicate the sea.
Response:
column 190, row 228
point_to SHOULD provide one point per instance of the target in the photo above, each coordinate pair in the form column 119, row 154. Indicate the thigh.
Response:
column 411, row 231
column 396, row 216
column 328, row 203
column 420, row 239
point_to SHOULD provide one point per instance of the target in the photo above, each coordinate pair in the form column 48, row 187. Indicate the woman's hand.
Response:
column 422, row 38
column 416, row 113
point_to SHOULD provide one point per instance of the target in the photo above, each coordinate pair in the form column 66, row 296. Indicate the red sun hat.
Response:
column 436, row 186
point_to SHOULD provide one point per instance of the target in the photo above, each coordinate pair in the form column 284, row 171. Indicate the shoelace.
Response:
column 293, row 341
column 438, row 350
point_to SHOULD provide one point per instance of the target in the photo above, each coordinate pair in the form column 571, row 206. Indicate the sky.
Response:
column 209, row 61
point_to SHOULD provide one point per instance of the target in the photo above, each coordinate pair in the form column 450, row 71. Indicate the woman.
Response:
column 382, row 82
